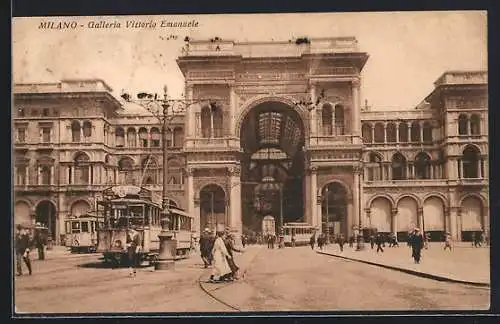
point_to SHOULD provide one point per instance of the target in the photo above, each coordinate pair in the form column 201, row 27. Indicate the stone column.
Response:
column 373, row 133
column 72, row 170
column 356, row 120
column 312, row 115
column 235, row 202
column 420, row 219
column 190, row 196
column 385, row 132
column 447, row 219
column 233, row 111
column 350, row 219
column 52, row 171
column 394, row 219
column 317, row 222
column 356, row 194
column 421, row 132
column 397, row 132
column 196, row 210
column 313, row 193
column 409, row 132
column 190, row 113
column 389, row 172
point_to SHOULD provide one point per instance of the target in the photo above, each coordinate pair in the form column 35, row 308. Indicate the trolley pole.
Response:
column 168, row 246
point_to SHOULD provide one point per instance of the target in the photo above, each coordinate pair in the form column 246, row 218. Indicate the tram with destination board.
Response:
column 302, row 233
column 81, row 232
column 125, row 207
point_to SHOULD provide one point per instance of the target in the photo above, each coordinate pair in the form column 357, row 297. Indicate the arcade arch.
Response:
column 46, row 215
column 472, row 210
column 79, row 208
column 212, row 207
column 380, row 214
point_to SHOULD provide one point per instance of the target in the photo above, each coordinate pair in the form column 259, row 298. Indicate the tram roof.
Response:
column 128, row 200
column 180, row 212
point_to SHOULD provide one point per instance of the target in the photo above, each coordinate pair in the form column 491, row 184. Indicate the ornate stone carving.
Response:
column 196, row 201
column 394, row 211
column 319, row 199
column 234, row 171
column 190, row 171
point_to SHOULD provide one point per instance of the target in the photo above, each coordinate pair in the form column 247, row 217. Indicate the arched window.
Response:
column 149, row 170
column 143, row 137
column 415, row 132
column 470, row 162
column 217, row 122
column 374, row 167
column 423, row 166
column 379, row 133
column 475, row 127
column 391, row 133
column 82, row 168
column 21, row 176
column 126, row 171
column 87, row 129
column 398, row 167
column 45, row 175
column 155, row 137
column 327, row 119
column 462, row 124
column 75, row 131
column 339, row 120
column 174, row 172
column 131, row 137
column 178, row 137
column 403, row 132
column 206, row 122
column 366, row 131
column 119, row 137
column 427, row 133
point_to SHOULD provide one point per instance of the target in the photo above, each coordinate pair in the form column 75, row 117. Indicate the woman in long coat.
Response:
column 219, row 252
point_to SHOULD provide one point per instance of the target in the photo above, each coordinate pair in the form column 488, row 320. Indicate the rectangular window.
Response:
column 85, row 227
column 21, row 135
column 46, row 135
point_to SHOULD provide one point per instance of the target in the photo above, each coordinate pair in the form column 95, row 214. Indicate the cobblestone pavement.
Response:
column 463, row 263
column 288, row 279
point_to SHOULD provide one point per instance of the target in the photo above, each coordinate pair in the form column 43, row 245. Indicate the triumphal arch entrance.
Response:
column 280, row 135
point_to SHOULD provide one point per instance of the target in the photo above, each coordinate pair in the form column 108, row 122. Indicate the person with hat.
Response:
column 220, row 254
column 417, row 243
column 22, row 246
column 206, row 247
column 40, row 241
column 230, row 246
column 447, row 241
column 133, row 245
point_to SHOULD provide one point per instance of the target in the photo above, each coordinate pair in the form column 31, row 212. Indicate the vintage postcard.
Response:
column 250, row 163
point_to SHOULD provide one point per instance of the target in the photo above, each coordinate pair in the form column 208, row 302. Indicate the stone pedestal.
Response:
column 168, row 250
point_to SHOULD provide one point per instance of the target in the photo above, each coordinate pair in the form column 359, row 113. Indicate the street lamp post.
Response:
column 164, row 110
column 327, row 215
column 360, row 242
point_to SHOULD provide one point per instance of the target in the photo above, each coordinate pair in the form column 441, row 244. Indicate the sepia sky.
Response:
column 408, row 50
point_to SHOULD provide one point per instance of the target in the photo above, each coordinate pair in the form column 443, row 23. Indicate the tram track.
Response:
column 225, row 285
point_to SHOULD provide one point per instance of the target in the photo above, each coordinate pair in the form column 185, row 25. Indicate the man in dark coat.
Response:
column 379, row 240
column 312, row 241
column 341, row 242
column 133, row 246
column 40, row 240
column 22, row 246
column 229, row 243
column 206, row 247
column 417, row 243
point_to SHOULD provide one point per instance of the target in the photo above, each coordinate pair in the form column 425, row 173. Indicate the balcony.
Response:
column 406, row 183
column 38, row 188
column 340, row 140
column 170, row 187
column 210, row 144
column 472, row 182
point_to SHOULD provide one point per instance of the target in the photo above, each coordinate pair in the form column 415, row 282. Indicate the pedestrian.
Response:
column 473, row 239
column 417, row 243
column 293, row 240
column 39, row 241
column 220, row 254
column 320, row 242
column 477, row 242
column 312, row 241
column 351, row 241
column 447, row 241
column 341, row 242
column 372, row 241
column 427, row 239
column 133, row 246
column 22, row 246
column 205, row 247
column 379, row 240
column 230, row 247
column 244, row 241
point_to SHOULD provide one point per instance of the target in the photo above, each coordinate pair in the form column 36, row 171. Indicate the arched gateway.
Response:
column 272, row 137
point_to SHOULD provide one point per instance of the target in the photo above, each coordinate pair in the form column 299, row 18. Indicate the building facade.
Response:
column 283, row 134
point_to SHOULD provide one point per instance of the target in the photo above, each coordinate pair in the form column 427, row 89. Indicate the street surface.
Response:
column 276, row 280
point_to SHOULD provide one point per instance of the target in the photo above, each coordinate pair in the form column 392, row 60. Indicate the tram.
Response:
column 125, row 207
column 81, row 232
column 302, row 233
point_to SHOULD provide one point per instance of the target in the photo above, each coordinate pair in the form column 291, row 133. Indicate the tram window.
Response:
column 122, row 222
column 85, row 227
column 68, row 227
column 75, row 227
column 185, row 223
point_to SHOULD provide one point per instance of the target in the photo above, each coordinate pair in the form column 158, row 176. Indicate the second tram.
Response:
column 125, row 207
column 81, row 232
column 302, row 233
